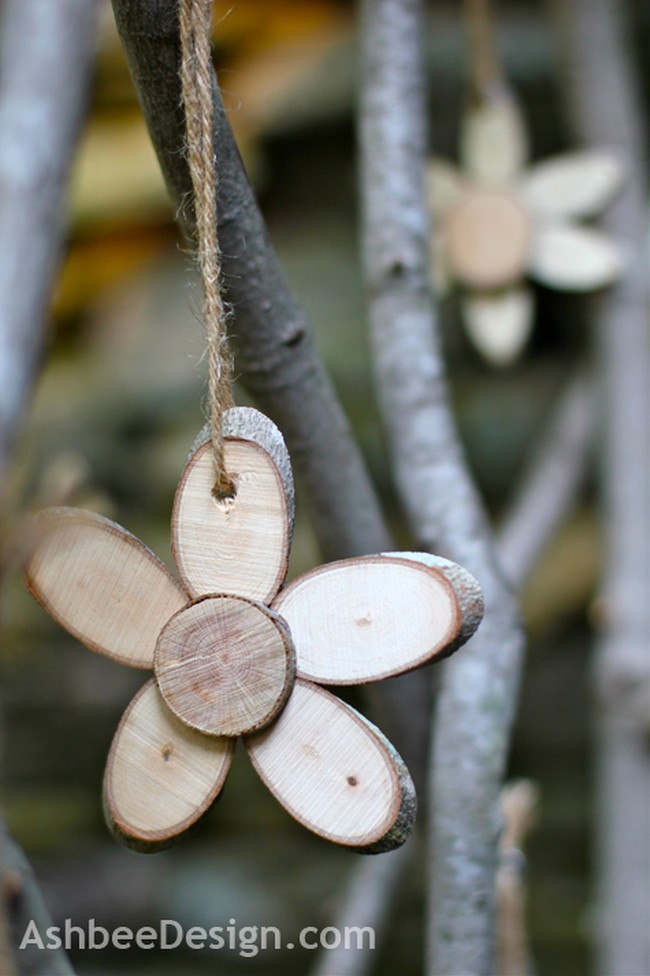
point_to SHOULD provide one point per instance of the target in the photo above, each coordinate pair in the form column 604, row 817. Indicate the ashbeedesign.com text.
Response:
column 246, row 940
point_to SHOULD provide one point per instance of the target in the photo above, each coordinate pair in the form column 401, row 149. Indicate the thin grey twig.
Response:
column 605, row 97
column 45, row 56
column 550, row 482
column 479, row 684
column 369, row 895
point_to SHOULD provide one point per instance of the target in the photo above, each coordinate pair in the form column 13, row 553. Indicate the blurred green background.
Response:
column 117, row 408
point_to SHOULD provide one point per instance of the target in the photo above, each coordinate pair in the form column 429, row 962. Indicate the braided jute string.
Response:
column 196, row 64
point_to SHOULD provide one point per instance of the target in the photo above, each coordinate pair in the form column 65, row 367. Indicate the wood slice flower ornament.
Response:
column 234, row 652
column 496, row 221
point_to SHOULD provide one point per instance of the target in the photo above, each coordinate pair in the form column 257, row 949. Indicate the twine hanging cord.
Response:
column 196, row 83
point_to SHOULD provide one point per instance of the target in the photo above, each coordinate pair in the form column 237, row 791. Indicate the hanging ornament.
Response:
column 233, row 651
column 496, row 221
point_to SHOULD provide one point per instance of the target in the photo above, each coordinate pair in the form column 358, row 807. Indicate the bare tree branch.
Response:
column 371, row 890
column 22, row 903
column 275, row 352
column 549, row 486
column 479, row 684
column 45, row 58
column 604, row 96
column 542, row 501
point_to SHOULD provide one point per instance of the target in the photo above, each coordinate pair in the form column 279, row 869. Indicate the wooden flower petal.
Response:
column 101, row 583
column 493, row 142
column 573, row 258
column 445, row 186
column 241, row 545
column 573, row 186
column 359, row 620
column 499, row 323
column 335, row 772
column 160, row 776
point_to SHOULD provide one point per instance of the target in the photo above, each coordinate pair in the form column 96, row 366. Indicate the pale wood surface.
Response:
column 574, row 186
column 225, row 665
column 249, row 424
column 160, row 776
column 101, row 583
column 358, row 620
column 467, row 589
column 487, row 238
column 493, row 142
column 499, row 323
column 238, row 546
column 573, row 258
column 334, row 772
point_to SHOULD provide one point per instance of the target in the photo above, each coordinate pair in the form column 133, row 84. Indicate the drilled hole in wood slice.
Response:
column 225, row 665
column 487, row 240
column 237, row 545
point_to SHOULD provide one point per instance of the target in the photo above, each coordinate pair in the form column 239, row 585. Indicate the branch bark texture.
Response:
column 546, row 495
column 479, row 685
column 276, row 358
column 45, row 58
column 604, row 96
column 22, row 903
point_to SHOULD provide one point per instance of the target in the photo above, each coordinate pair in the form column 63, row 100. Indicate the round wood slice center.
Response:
column 487, row 240
column 225, row 665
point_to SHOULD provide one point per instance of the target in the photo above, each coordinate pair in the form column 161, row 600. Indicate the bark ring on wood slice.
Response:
column 235, row 652
column 225, row 665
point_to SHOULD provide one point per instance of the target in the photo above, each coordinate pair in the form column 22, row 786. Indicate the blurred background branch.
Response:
column 603, row 96
column 477, row 695
column 46, row 53
column 45, row 60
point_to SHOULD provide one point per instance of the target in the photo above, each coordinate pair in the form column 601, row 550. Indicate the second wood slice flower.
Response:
column 233, row 653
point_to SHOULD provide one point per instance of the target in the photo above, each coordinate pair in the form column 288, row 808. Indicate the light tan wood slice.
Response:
column 249, row 424
column 241, row 545
column 466, row 587
column 335, row 773
column 360, row 620
column 445, row 186
column 574, row 186
column 499, row 323
column 487, row 238
column 573, row 258
column 160, row 776
column 101, row 583
column 493, row 147
column 225, row 665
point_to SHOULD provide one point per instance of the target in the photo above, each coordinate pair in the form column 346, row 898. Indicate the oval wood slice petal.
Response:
column 466, row 587
column 573, row 186
column 573, row 258
column 499, row 323
column 493, row 145
column 335, row 772
column 160, row 776
column 101, row 583
column 360, row 620
column 237, row 546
